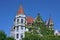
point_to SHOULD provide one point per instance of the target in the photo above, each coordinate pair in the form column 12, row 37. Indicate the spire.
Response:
column 50, row 21
column 20, row 10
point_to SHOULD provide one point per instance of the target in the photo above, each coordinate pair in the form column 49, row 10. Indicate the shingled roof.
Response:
column 30, row 19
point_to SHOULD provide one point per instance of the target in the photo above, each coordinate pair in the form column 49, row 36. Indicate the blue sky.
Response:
column 9, row 8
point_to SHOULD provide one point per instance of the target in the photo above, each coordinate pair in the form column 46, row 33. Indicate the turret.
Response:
column 18, row 29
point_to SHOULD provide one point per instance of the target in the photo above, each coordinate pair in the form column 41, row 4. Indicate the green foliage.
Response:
column 51, row 37
column 38, row 20
column 3, row 36
column 10, row 38
column 39, row 23
column 30, row 36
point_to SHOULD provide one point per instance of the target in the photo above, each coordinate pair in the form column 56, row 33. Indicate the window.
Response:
column 22, row 27
column 17, row 20
column 21, row 36
column 21, row 20
column 14, row 28
column 17, row 28
column 17, row 36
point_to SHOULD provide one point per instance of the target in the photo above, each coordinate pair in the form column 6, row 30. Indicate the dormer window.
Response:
column 21, row 20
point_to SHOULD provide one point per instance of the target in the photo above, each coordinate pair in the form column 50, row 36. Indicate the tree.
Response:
column 10, row 38
column 3, row 36
column 51, row 37
column 40, row 25
column 29, row 36
column 38, row 20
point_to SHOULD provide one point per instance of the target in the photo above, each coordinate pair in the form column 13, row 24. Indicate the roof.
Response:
column 30, row 19
column 20, row 10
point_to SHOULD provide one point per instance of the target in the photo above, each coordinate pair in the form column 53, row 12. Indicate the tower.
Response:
column 49, row 23
column 18, row 29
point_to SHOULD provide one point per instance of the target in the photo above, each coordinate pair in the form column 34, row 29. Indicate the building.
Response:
column 20, row 22
column 57, row 33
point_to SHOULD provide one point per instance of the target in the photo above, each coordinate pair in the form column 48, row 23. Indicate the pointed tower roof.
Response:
column 20, row 10
column 50, row 21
